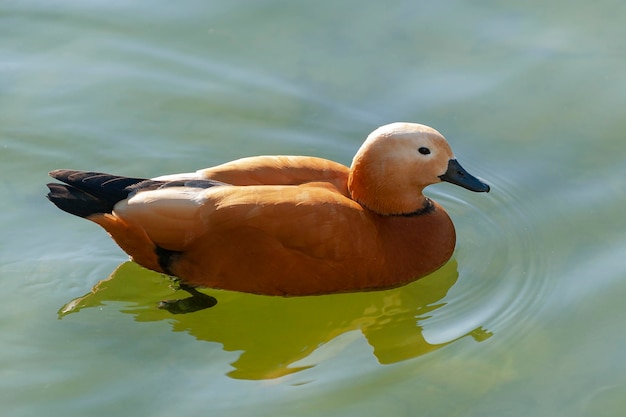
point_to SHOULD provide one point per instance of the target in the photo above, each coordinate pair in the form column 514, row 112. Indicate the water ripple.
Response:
column 502, row 271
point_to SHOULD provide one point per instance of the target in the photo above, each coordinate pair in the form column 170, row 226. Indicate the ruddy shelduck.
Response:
column 285, row 225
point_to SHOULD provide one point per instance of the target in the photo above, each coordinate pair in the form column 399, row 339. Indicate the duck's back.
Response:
column 279, row 170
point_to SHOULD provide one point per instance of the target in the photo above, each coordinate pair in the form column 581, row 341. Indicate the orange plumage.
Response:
column 285, row 225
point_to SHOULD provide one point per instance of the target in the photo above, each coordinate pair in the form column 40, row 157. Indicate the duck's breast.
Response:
column 416, row 246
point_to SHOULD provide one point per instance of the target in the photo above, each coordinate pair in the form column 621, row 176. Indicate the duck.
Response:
column 285, row 225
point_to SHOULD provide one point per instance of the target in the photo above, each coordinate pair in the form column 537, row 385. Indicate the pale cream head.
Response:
column 394, row 164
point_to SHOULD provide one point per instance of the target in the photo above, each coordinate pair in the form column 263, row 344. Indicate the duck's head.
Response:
column 397, row 161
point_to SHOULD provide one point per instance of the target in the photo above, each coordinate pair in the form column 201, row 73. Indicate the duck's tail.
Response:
column 88, row 193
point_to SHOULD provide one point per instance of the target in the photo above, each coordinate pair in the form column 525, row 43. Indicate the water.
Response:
column 524, row 320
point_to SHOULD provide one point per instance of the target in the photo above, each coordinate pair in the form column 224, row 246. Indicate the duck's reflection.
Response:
column 274, row 332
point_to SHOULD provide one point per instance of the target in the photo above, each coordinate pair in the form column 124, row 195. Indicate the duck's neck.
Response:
column 395, row 208
column 427, row 208
column 385, row 199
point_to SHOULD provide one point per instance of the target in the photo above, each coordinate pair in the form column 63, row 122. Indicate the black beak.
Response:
column 456, row 174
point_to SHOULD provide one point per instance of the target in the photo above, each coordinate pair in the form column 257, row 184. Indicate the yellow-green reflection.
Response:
column 274, row 332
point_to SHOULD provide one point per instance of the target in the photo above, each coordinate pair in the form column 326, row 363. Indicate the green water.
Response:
column 526, row 320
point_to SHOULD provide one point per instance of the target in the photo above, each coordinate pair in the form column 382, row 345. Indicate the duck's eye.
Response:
column 424, row 151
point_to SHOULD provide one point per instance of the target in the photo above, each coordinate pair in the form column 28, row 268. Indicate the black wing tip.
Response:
column 77, row 202
column 86, row 193
column 95, row 189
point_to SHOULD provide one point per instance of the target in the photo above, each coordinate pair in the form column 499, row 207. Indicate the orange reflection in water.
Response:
column 273, row 333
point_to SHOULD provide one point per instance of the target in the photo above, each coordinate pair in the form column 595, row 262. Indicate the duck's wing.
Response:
column 221, row 234
column 273, row 170
column 176, row 218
